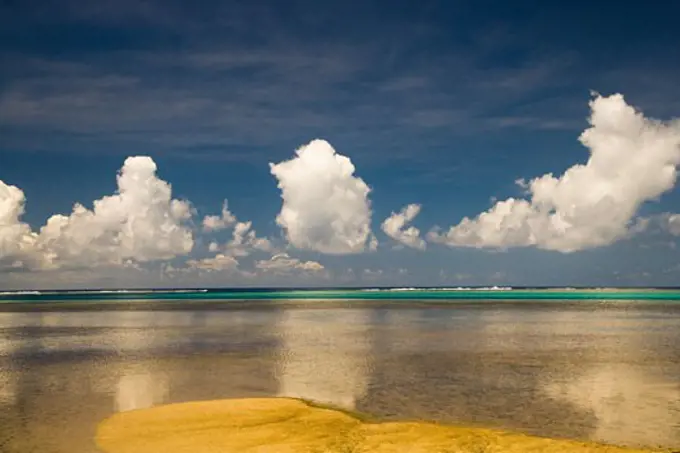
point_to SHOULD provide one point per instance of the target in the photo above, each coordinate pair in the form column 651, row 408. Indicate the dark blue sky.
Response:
column 440, row 103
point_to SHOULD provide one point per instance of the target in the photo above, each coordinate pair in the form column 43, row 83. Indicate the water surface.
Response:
column 600, row 370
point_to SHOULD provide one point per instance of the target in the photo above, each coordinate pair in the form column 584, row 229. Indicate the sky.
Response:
column 377, row 143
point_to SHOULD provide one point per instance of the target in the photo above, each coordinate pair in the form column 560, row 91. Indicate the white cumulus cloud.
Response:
column 219, row 222
column 243, row 242
column 394, row 227
column 17, row 240
column 632, row 160
column 245, row 238
column 325, row 207
column 139, row 223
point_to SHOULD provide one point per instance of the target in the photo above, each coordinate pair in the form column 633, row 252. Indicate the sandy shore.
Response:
column 283, row 425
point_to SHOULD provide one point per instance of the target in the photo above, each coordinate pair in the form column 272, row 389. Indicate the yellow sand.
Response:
column 282, row 425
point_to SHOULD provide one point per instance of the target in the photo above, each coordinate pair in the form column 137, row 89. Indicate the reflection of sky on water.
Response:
column 7, row 374
column 542, row 370
column 140, row 391
column 136, row 385
column 324, row 355
column 602, row 373
column 8, row 388
column 610, row 363
column 622, row 381
column 627, row 403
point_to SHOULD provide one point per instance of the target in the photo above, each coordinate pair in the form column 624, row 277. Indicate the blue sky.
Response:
column 440, row 104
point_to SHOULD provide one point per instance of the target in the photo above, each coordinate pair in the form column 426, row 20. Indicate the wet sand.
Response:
column 281, row 425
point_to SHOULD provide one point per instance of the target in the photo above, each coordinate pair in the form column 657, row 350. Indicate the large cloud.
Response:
column 325, row 207
column 139, row 223
column 17, row 241
column 632, row 160
column 393, row 226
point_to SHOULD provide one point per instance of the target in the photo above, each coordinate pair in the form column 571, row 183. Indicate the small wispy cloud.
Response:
column 251, row 79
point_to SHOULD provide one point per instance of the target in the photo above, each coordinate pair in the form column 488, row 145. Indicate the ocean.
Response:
column 293, row 294
column 592, row 364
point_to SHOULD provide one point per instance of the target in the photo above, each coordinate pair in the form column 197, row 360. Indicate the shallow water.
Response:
column 604, row 371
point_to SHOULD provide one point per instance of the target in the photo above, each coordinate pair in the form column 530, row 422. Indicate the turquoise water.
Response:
column 346, row 294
